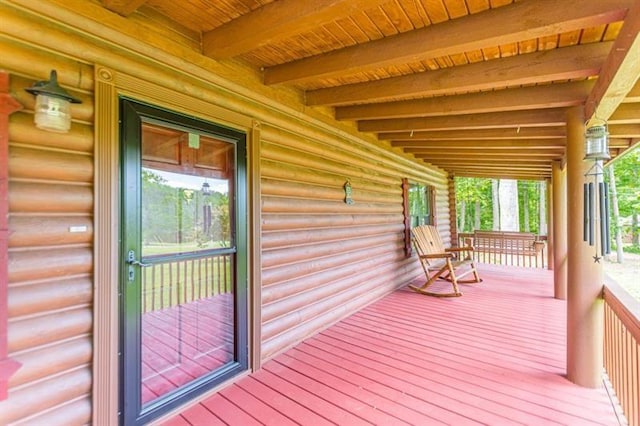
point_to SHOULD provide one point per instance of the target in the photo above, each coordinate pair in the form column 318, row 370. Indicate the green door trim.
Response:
column 132, row 114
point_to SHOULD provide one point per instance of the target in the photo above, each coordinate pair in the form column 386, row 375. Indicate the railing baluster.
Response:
column 622, row 348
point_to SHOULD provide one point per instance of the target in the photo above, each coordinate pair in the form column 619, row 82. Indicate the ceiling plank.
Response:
column 499, row 26
column 574, row 62
column 534, row 97
column 483, row 144
column 512, row 119
column 479, row 134
column 620, row 71
column 276, row 21
column 123, row 7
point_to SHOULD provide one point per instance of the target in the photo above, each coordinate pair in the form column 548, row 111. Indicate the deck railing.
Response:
column 506, row 248
column 167, row 284
column 622, row 348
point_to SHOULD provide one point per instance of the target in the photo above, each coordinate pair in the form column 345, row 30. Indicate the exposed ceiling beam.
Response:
column 534, row 97
column 619, row 142
column 504, row 163
column 500, row 26
column 634, row 94
column 502, row 175
column 566, row 63
column 497, row 167
column 625, row 114
column 123, row 7
column 513, row 119
column 480, row 134
column 624, row 131
column 494, row 153
column 277, row 21
column 484, row 145
column 619, row 72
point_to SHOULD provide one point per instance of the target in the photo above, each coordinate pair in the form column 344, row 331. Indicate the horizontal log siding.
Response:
column 50, row 282
column 323, row 259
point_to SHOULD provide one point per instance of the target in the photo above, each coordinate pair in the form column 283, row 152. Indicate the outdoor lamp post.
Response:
column 52, row 111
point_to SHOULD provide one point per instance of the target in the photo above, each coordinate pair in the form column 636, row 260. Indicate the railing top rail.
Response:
column 625, row 306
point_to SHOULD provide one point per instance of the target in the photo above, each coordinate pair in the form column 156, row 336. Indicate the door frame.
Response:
column 109, row 86
column 132, row 116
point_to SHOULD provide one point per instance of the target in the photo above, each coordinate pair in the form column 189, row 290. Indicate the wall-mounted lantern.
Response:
column 596, row 191
column 597, row 143
column 52, row 112
column 206, row 189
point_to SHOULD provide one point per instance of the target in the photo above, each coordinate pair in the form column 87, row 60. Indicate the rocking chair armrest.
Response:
column 435, row 256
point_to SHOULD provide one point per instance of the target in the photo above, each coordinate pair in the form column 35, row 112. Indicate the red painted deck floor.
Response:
column 495, row 356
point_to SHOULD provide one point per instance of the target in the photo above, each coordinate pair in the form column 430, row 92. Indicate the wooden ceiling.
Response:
column 476, row 87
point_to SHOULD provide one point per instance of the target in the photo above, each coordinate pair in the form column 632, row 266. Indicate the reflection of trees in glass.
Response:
column 182, row 216
column 419, row 204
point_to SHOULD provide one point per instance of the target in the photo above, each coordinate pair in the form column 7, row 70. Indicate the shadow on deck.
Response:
column 494, row 356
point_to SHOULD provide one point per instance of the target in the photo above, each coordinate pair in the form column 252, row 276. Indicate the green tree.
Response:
column 627, row 175
column 473, row 197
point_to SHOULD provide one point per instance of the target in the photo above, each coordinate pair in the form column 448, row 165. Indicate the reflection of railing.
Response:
column 622, row 348
column 506, row 248
column 167, row 284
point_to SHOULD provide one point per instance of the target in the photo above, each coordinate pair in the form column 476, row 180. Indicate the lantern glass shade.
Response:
column 206, row 189
column 52, row 113
column 597, row 143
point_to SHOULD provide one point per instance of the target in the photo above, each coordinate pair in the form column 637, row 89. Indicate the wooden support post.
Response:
column 585, row 311
column 8, row 105
column 453, row 217
column 550, row 247
column 559, row 223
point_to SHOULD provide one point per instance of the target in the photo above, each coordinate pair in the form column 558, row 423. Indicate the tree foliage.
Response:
column 472, row 190
column 627, row 175
column 173, row 215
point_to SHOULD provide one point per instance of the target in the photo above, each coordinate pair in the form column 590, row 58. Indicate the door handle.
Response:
column 131, row 260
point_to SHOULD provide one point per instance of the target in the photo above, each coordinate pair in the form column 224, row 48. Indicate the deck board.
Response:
column 494, row 356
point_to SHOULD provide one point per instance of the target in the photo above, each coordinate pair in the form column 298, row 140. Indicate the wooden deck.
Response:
column 494, row 356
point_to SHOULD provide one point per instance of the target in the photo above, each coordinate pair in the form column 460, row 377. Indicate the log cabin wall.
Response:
column 50, row 267
column 321, row 258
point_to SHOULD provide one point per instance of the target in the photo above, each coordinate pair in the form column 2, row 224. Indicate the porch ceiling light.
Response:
column 52, row 112
column 597, row 143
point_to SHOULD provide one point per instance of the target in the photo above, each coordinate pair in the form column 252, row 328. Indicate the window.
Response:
column 419, row 204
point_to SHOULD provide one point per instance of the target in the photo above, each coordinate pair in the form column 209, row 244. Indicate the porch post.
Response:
column 559, row 223
column 585, row 313
column 453, row 215
column 550, row 248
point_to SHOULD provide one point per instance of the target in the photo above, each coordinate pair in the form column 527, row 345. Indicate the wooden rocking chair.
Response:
column 439, row 262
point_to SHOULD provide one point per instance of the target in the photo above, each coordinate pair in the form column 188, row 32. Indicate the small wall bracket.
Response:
column 347, row 193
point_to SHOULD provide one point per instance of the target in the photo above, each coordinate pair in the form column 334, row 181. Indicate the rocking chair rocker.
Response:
column 438, row 262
